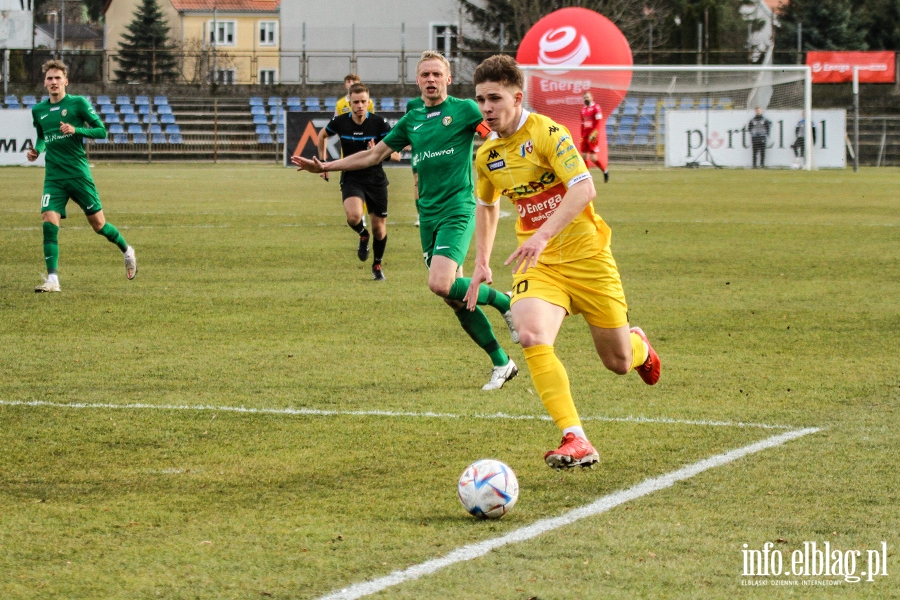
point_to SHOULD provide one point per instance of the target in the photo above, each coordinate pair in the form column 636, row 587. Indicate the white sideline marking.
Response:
column 382, row 413
column 597, row 507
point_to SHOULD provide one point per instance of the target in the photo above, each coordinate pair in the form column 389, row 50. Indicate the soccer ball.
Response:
column 488, row 489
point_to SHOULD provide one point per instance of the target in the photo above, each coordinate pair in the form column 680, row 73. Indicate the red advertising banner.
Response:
column 837, row 67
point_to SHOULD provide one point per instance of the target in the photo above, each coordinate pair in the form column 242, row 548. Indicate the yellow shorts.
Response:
column 590, row 286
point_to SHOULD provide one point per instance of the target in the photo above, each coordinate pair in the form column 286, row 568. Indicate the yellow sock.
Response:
column 639, row 352
column 552, row 384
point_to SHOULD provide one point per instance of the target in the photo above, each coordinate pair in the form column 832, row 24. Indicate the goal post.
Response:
column 689, row 114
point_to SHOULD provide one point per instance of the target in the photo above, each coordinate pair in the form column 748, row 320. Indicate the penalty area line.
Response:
column 315, row 412
column 597, row 507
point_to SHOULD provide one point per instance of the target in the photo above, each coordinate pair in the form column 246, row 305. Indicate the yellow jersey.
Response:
column 343, row 106
column 533, row 168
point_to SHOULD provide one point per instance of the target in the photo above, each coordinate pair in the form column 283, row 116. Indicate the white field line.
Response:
column 597, row 507
column 381, row 413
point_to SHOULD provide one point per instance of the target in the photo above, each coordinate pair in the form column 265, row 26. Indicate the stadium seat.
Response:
column 645, row 121
column 330, row 103
column 686, row 104
column 610, row 131
column 107, row 109
column 257, row 110
column 111, row 118
column 44, row 98
column 260, row 120
column 265, row 138
column 279, row 128
column 175, row 138
column 704, row 105
column 726, row 103
column 139, row 138
column 641, row 140
column 128, row 119
column 626, row 121
column 103, row 100
column 256, row 101
column 143, row 109
column 611, row 120
column 29, row 100
column 312, row 103
column 116, row 128
column 11, row 99
column 13, row 106
column 164, row 109
column 167, row 119
column 126, row 109
column 669, row 103
column 274, row 100
column 276, row 111
column 120, row 138
column 99, row 141
column 161, row 101
column 158, row 138
column 280, row 138
column 387, row 104
column 141, row 100
column 155, row 129
column 293, row 103
column 630, row 109
column 170, row 129
column 149, row 119
column 120, row 100
column 133, row 129
column 261, row 129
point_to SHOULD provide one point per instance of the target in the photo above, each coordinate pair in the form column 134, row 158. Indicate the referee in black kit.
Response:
column 359, row 130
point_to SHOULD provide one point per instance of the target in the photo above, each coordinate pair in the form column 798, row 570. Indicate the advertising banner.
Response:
column 17, row 136
column 302, row 130
column 720, row 138
column 837, row 67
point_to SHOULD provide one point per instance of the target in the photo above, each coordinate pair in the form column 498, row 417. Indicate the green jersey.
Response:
column 416, row 102
column 66, row 158
column 442, row 138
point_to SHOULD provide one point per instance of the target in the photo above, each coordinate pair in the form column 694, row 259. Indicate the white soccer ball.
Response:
column 488, row 489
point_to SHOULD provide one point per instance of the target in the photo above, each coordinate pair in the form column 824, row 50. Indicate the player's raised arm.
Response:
column 354, row 162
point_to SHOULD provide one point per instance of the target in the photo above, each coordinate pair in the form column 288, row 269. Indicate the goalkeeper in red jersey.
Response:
column 591, row 120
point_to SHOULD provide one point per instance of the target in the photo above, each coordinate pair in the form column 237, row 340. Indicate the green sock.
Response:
column 478, row 327
column 110, row 232
column 51, row 247
column 486, row 295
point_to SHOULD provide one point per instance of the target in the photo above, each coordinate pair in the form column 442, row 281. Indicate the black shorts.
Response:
column 375, row 196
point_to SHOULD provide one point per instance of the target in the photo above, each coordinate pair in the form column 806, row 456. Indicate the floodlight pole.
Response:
column 855, row 119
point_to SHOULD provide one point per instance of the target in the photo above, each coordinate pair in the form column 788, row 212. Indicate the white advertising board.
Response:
column 17, row 136
column 720, row 137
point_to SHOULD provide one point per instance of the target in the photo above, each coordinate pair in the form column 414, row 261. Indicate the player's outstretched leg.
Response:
column 486, row 296
column 476, row 324
column 378, row 247
column 362, row 249
column 650, row 367
column 51, row 259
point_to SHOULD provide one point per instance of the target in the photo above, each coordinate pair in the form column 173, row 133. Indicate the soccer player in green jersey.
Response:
column 441, row 133
column 62, row 122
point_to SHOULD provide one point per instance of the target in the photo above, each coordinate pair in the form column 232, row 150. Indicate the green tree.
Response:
column 882, row 23
column 827, row 25
column 145, row 54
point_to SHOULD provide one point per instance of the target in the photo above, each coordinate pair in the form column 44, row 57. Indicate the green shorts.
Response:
column 82, row 191
column 447, row 236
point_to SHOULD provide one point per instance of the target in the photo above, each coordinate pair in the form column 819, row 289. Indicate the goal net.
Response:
column 685, row 115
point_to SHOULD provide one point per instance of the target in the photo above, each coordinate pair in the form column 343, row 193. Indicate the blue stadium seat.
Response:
column 120, row 100
column 261, row 129
column 611, row 120
column 142, row 100
column 161, row 101
column 133, row 129
column 630, row 109
column 167, row 119
column 645, row 121
column 139, row 138
column 100, row 141
column 13, row 106
column 387, row 104
column 312, row 103
column 164, row 109
column 170, row 129
column 158, row 138
column 256, row 101
column 669, row 103
column 116, row 128
column 610, row 131
column 257, row 110
column 626, row 121
column 686, row 104
column 29, row 100
column 126, row 109
column 44, row 98
column 276, row 111
column 120, row 138
column 330, row 103
column 704, row 104
column 103, row 100
column 175, row 138
column 128, row 119
column 11, row 99
column 265, row 138
column 280, row 138
column 111, row 118
column 279, row 128
column 293, row 103
column 107, row 109
column 155, row 129
column 143, row 109
column 274, row 100
column 150, row 119
column 260, row 120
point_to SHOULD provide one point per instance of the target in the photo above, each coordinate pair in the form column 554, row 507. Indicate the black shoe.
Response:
column 377, row 273
column 362, row 251
column 605, row 177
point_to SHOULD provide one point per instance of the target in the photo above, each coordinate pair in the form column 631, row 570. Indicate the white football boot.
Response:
column 501, row 375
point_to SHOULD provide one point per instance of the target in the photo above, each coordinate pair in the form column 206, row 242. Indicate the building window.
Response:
column 268, row 77
column 225, row 76
column 222, row 33
column 445, row 39
column 267, row 33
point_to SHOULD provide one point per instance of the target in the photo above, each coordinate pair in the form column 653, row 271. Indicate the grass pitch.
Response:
column 771, row 297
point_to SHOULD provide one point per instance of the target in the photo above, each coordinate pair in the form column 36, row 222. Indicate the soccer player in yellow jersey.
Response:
column 343, row 105
column 563, row 264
